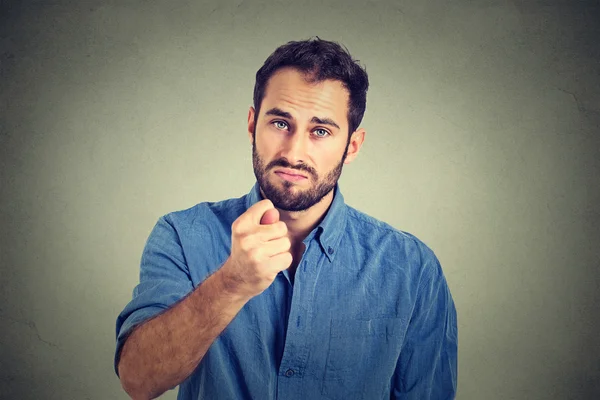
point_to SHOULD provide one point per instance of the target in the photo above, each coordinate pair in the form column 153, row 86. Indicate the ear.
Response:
column 356, row 141
column 251, row 125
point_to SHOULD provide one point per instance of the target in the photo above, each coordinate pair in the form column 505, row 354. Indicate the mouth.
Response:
column 290, row 175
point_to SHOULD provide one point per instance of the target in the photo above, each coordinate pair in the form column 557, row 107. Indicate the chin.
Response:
column 287, row 187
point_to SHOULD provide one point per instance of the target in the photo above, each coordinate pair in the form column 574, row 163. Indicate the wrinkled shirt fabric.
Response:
column 368, row 314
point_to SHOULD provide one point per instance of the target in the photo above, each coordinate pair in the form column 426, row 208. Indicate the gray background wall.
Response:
column 483, row 124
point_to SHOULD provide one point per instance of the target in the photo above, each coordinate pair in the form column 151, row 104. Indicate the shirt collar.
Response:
column 329, row 231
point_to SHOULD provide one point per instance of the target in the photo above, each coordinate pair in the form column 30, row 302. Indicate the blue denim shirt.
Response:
column 368, row 316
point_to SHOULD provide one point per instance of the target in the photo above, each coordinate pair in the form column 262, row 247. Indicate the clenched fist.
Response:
column 260, row 249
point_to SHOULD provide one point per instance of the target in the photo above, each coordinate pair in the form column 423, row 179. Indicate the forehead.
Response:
column 289, row 90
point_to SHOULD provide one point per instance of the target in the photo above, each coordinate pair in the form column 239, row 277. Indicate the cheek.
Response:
column 264, row 142
column 328, row 157
column 267, row 149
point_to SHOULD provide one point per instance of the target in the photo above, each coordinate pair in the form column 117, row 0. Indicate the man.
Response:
column 287, row 292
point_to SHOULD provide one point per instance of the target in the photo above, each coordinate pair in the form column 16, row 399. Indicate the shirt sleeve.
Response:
column 164, row 280
column 427, row 366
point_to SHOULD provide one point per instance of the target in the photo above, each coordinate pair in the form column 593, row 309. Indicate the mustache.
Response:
column 282, row 162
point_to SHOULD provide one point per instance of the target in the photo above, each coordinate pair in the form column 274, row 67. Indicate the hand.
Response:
column 260, row 249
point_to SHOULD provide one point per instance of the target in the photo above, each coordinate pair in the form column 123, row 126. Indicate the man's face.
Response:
column 300, row 140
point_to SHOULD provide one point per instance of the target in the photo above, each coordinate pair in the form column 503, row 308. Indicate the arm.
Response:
column 165, row 331
column 427, row 366
column 162, row 352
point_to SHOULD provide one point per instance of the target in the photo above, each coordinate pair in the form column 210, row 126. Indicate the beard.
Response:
column 286, row 198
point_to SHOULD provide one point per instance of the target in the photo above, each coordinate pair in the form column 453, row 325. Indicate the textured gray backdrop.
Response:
column 483, row 139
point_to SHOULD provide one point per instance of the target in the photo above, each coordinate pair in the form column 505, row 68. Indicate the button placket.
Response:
column 296, row 348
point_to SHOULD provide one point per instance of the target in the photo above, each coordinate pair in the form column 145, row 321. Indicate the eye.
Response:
column 321, row 132
column 280, row 124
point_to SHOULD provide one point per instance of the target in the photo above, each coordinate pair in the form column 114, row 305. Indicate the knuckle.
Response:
column 254, row 254
column 287, row 243
column 287, row 258
column 236, row 227
column 269, row 203
column 282, row 227
column 245, row 244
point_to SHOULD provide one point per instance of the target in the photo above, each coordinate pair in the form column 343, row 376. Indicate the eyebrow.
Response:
column 315, row 120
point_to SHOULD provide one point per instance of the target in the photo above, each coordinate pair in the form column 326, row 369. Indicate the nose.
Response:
column 294, row 148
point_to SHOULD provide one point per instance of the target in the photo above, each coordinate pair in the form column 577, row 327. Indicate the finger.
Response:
column 258, row 210
column 267, row 233
column 270, row 217
column 277, row 246
column 281, row 261
column 251, row 217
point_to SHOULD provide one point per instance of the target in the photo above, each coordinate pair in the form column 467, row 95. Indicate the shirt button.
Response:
column 330, row 250
column 289, row 372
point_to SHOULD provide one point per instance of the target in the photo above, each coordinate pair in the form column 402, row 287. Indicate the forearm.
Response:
column 164, row 351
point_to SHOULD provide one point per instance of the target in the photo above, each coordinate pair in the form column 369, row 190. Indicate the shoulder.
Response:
column 367, row 229
column 206, row 213
column 395, row 249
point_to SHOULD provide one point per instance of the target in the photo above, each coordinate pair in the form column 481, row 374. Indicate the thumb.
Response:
column 270, row 217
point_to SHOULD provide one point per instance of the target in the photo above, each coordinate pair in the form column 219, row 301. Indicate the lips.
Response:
column 289, row 172
column 290, row 175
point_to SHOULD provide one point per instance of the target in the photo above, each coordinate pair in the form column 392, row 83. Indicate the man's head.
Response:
column 309, row 99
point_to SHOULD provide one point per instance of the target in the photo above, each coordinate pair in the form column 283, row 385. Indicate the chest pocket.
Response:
column 362, row 357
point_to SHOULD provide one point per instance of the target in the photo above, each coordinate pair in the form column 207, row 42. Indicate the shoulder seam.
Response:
column 354, row 213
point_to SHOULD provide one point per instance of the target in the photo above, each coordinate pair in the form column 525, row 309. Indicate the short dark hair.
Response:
column 319, row 60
